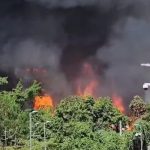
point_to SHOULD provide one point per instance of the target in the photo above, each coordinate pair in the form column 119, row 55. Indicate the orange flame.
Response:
column 118, row 102
column 43, row 102
column 88, row 90
column 87, row 83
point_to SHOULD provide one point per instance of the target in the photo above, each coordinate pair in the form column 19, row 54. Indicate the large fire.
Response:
column 43, row 102
column 118, row 102
column 88, row 90
column 87, row 83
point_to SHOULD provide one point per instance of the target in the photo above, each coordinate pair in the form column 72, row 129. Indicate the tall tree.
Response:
column 106, row 115
column 12, row 117
column 137, row 106
column 75, row 108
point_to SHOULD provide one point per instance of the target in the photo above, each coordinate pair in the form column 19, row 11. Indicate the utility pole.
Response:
column 45, row 147
column 30, row 126
column 5, row 138
column 120, row 127
column 146, row 85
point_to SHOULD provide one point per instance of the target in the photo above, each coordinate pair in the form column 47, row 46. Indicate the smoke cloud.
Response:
column 31, row 53
column 65, row 3
column 125, row 53
column 60, row 36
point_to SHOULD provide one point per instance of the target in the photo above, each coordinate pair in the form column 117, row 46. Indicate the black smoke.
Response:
column 60, row 36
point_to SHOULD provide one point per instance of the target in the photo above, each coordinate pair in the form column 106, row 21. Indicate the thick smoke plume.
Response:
column 125, row 53
column 60, row 36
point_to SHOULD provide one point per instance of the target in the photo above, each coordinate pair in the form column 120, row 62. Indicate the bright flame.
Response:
column 118, row 102
column 88, row 90
column 87, row 83
column 43, row 102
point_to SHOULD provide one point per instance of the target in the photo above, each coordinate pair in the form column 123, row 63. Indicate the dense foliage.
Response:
column 13, row 119
column 137, row 106
column 77, row 123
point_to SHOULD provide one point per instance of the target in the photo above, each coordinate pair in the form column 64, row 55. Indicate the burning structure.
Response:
column 77, row 47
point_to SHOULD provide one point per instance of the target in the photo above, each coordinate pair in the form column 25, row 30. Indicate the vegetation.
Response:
column 13, row 118
column 76, row 124
column 137, row 106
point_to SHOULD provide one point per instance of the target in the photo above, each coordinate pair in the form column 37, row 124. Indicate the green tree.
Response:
column 75, row 108
column 75, row 125
column 137, row 106
column 105, row 114
column 12, row 117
